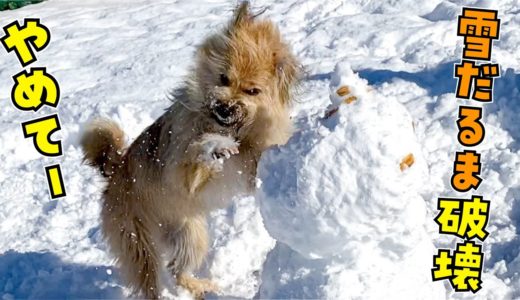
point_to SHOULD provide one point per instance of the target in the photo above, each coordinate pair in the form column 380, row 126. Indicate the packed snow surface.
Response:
column 335, row 216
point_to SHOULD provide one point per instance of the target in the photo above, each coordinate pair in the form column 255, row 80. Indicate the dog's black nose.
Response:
column 225, row 114
column 224, row 111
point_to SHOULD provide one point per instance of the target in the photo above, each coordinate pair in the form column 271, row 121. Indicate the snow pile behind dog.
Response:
column 345, row 189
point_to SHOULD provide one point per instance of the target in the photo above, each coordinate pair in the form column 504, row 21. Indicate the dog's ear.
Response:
column 288, row 71
column 242, row 14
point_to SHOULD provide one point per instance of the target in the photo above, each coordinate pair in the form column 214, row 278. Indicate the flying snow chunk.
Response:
column 347, row 183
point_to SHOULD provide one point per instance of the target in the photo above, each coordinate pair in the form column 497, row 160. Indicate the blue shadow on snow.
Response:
column 45, row 276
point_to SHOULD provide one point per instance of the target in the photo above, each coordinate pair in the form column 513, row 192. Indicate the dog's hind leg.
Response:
column 197, row 287
column 189, row 245
column 131, row 243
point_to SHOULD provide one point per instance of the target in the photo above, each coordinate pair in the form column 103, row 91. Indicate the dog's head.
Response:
column 244, row 77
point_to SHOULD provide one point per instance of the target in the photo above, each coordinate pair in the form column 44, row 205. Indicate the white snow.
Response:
column 334, row 217
column 336, row 191
column 337, row 183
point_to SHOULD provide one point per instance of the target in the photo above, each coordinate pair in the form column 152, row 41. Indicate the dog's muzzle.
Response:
column 225, row 114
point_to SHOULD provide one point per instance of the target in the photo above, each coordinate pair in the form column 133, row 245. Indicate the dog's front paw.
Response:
column 214, row 148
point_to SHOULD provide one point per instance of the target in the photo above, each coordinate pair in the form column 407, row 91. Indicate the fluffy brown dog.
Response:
column 195, row 157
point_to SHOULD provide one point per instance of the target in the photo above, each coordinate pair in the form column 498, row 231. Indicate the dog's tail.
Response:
column 103, row 142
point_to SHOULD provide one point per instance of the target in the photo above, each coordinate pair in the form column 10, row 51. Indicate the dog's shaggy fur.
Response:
column 199, row 154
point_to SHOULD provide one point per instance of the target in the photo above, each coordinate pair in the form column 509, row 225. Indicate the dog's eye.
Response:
column 252, row 92
column 224, row 80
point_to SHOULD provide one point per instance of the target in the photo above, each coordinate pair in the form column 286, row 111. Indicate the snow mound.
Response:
column 338, row 181
column 444, row 11
column 346, row 188
column 240, row 248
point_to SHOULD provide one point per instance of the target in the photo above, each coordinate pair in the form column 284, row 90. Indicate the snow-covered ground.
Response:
column 119, row 58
